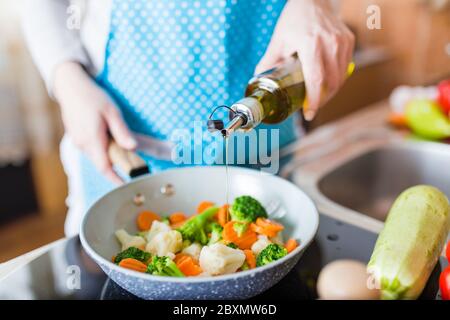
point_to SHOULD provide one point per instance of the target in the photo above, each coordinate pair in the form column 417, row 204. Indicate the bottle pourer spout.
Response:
column 237, row 122
column 238, row 119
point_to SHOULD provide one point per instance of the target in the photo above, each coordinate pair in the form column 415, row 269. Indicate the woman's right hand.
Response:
column 89, row 115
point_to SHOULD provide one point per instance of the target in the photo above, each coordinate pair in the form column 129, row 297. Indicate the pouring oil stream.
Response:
column 227, row 176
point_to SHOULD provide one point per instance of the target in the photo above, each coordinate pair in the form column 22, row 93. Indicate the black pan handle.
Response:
column 129, row 162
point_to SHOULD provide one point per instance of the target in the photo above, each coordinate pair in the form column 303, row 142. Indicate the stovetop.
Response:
column 66, row 272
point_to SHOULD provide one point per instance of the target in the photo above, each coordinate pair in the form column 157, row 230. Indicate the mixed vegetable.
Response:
column 424, row 110
column 214, row 241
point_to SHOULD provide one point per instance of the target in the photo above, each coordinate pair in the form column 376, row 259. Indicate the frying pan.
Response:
column 181, row 189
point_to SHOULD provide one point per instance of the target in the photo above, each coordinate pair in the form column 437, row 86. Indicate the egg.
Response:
column 345, row 280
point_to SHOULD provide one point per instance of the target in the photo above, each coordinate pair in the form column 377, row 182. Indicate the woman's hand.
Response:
column 323, row 43
column 88, row 115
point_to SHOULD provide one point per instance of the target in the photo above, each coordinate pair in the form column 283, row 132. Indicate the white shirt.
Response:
column 62, row 30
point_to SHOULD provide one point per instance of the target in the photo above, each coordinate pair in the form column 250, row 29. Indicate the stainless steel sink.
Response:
column 369, row 183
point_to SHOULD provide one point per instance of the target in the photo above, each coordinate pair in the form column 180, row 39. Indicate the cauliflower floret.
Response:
column 260, row 244
column 165, row 243
column 220, row 259
column 127, row 240
column 278, row 239
column 193, row 250
column 156, row 228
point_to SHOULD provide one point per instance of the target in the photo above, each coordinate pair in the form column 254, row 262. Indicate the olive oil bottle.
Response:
column 271, row 97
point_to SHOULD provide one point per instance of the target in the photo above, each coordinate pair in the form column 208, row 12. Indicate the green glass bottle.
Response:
column 271, row 97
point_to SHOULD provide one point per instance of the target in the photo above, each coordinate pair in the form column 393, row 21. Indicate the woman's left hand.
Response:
column 323, row 43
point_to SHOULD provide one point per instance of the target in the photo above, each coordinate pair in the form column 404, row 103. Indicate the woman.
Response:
column 138, row 70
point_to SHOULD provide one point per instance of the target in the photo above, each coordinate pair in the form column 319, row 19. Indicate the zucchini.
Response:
column 410, row 243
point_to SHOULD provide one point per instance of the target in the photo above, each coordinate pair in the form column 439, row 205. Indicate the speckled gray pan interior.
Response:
column 285, row 202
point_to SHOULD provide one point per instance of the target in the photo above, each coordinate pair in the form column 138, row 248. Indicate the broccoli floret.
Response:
column 195, row 228
column 232, row 245
column 247, row 209
column 270, row 253
column 240, row 228
column 132, row 252
column 216, row 232
column 164, row 266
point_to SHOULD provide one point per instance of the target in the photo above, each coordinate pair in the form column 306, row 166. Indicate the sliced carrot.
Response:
column 222, row 215
column 290, row 245
column 145, row 219
column 247, row 241
column 256, row 228
column 179, row 256
column 266, row 227
column 229, row 227
column 243, row 242
column 133, row 264
column 269, row 224
column 204, row 205
column 188, row 266
column 177, row 217
column 228, row 233
column 261, row 230
column 250, row 258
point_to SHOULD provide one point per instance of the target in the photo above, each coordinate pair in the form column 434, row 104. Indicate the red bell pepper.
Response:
column 444, row 96
column 447, row 252
column 444, row 283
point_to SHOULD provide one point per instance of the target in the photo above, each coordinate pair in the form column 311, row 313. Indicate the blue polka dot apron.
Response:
column 169, row 62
